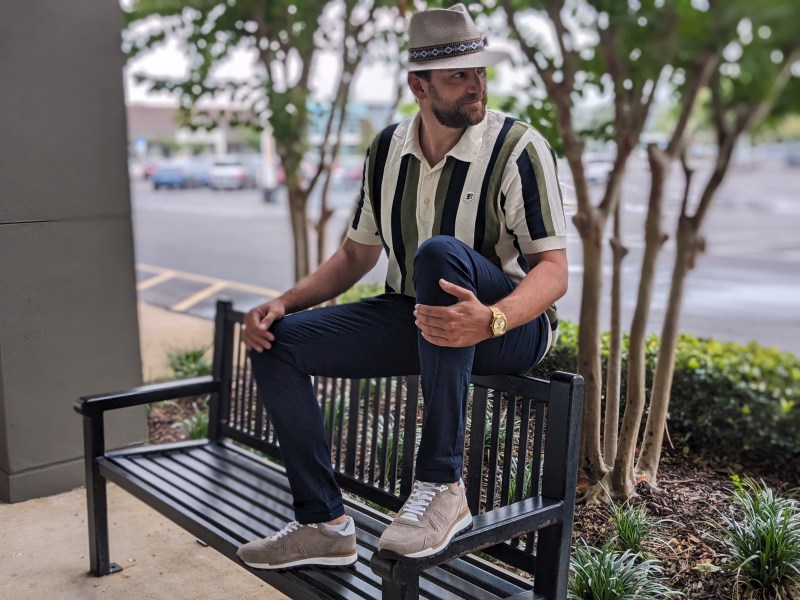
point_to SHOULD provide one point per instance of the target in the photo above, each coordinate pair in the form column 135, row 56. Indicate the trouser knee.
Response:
column 263, row 361
column 441, row 257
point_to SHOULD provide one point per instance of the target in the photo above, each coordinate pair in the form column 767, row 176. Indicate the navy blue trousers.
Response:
column 377, row 337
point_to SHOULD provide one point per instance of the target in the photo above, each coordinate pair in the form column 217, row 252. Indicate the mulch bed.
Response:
column 691, row 495
column 164, row 420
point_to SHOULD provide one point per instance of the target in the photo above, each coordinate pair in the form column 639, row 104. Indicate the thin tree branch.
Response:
column 698, row 79
column 529, row 51
column 569, row 58
column 687, row 172
column 717, row 108
column 763, row 109
column 747, row 120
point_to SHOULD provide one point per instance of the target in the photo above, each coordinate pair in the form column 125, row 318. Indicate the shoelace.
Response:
column 293, row 526
column 419, row 499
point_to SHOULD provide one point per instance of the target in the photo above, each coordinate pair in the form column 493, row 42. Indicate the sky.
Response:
column 374, row 83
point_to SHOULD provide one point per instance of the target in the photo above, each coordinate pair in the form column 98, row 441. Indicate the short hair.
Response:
column 423, row 74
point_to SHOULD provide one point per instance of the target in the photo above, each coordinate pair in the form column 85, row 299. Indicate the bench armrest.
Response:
column 90, row 406
column 488, row 529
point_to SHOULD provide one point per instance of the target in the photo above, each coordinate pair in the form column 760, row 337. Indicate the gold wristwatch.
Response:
column 499, row 322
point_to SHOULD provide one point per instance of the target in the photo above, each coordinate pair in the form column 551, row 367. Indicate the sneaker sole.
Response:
column 322, row 561
column 462, row 524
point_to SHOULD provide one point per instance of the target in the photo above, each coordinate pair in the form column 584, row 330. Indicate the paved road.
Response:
column 193, row 246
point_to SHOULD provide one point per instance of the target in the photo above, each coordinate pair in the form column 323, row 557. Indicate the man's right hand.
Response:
column 257, row 323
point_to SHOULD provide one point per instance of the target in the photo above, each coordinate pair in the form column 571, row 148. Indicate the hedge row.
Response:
column 734, row 401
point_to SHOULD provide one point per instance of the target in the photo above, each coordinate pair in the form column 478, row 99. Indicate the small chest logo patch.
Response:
column 469, row 196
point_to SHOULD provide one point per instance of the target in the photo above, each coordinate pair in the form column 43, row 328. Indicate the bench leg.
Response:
column 399, row 591
column 552, row 562
column 97, row 509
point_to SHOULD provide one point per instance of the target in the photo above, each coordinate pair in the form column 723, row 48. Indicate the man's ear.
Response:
column 415, row 83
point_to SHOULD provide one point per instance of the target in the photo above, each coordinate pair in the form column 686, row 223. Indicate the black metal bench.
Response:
column 522, row 444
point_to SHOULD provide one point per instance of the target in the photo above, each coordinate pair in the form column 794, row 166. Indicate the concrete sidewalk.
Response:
column 44, row 543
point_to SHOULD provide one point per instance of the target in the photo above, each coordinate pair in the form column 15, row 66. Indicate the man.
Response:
column 467, row 206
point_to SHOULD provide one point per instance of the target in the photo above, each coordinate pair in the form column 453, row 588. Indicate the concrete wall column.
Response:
column 68, row 322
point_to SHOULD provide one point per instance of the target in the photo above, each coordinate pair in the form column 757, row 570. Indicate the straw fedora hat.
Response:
column 446, row 38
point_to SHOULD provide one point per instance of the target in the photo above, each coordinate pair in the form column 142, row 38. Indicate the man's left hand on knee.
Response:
column 462, row 324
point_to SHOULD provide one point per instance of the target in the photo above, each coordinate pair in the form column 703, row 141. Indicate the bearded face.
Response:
column 468, row 110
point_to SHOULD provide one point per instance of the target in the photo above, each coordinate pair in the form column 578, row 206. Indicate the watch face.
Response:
column 499, row 325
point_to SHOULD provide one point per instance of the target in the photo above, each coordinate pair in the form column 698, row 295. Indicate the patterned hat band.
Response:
column 447, row 50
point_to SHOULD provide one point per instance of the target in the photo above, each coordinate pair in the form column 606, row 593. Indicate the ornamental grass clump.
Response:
column 635, row 529
column 189, row 362
column 763, row 540
column 196, row 426
column 605, row 574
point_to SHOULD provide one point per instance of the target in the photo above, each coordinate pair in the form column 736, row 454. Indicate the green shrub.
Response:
column 738, row 402
column 189, row 362
column 764, row 542
column 360, row 291
column 604, row 574
column 196, row 426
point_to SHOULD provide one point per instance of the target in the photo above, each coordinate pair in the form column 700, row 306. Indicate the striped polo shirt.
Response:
column 496, row 190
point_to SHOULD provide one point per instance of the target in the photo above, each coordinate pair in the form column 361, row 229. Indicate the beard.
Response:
column 461, row 114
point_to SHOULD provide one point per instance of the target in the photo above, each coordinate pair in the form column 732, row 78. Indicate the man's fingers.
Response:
column 258, row 344
column 463, row 294
column 256, row 334
column 430, row 328
column 435, row 339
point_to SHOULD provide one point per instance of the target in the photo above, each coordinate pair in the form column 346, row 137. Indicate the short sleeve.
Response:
column 363, row 228
column 533, row 203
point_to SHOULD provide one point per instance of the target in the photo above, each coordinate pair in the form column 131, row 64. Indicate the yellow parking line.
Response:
column 245, row 287
column 189, row 302
column 155, row 280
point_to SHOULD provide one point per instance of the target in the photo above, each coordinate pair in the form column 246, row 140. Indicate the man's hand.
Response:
column 465, row 323
column 257, row 335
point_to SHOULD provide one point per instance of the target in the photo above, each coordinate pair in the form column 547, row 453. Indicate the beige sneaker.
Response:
column 296, row 545
column 429, row 519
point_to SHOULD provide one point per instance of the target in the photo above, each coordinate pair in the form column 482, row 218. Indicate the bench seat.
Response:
column 222, row 491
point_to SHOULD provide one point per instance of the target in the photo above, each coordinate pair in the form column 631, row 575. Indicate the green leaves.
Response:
column 763, row 539
column 189, row 362
column 605, row 574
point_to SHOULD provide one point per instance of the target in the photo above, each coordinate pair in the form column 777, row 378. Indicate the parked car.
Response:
column 150, row 166
column 232, row 174
column 176, row 175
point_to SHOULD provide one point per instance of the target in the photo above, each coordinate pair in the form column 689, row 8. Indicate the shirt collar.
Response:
column 466, row 149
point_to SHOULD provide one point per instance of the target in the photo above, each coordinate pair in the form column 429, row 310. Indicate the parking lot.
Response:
column 196, row 245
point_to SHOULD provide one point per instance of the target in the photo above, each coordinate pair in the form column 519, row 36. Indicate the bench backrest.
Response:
column 516, row 436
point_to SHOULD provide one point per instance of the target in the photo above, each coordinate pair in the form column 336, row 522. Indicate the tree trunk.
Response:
column 325, row 214
column 591, row 224
column 689, row 243
column 623, row 481
column 614, row 369
column 298, row 199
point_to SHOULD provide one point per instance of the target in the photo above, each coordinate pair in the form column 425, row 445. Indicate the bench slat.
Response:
column 193, row 501
column 249, row 501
